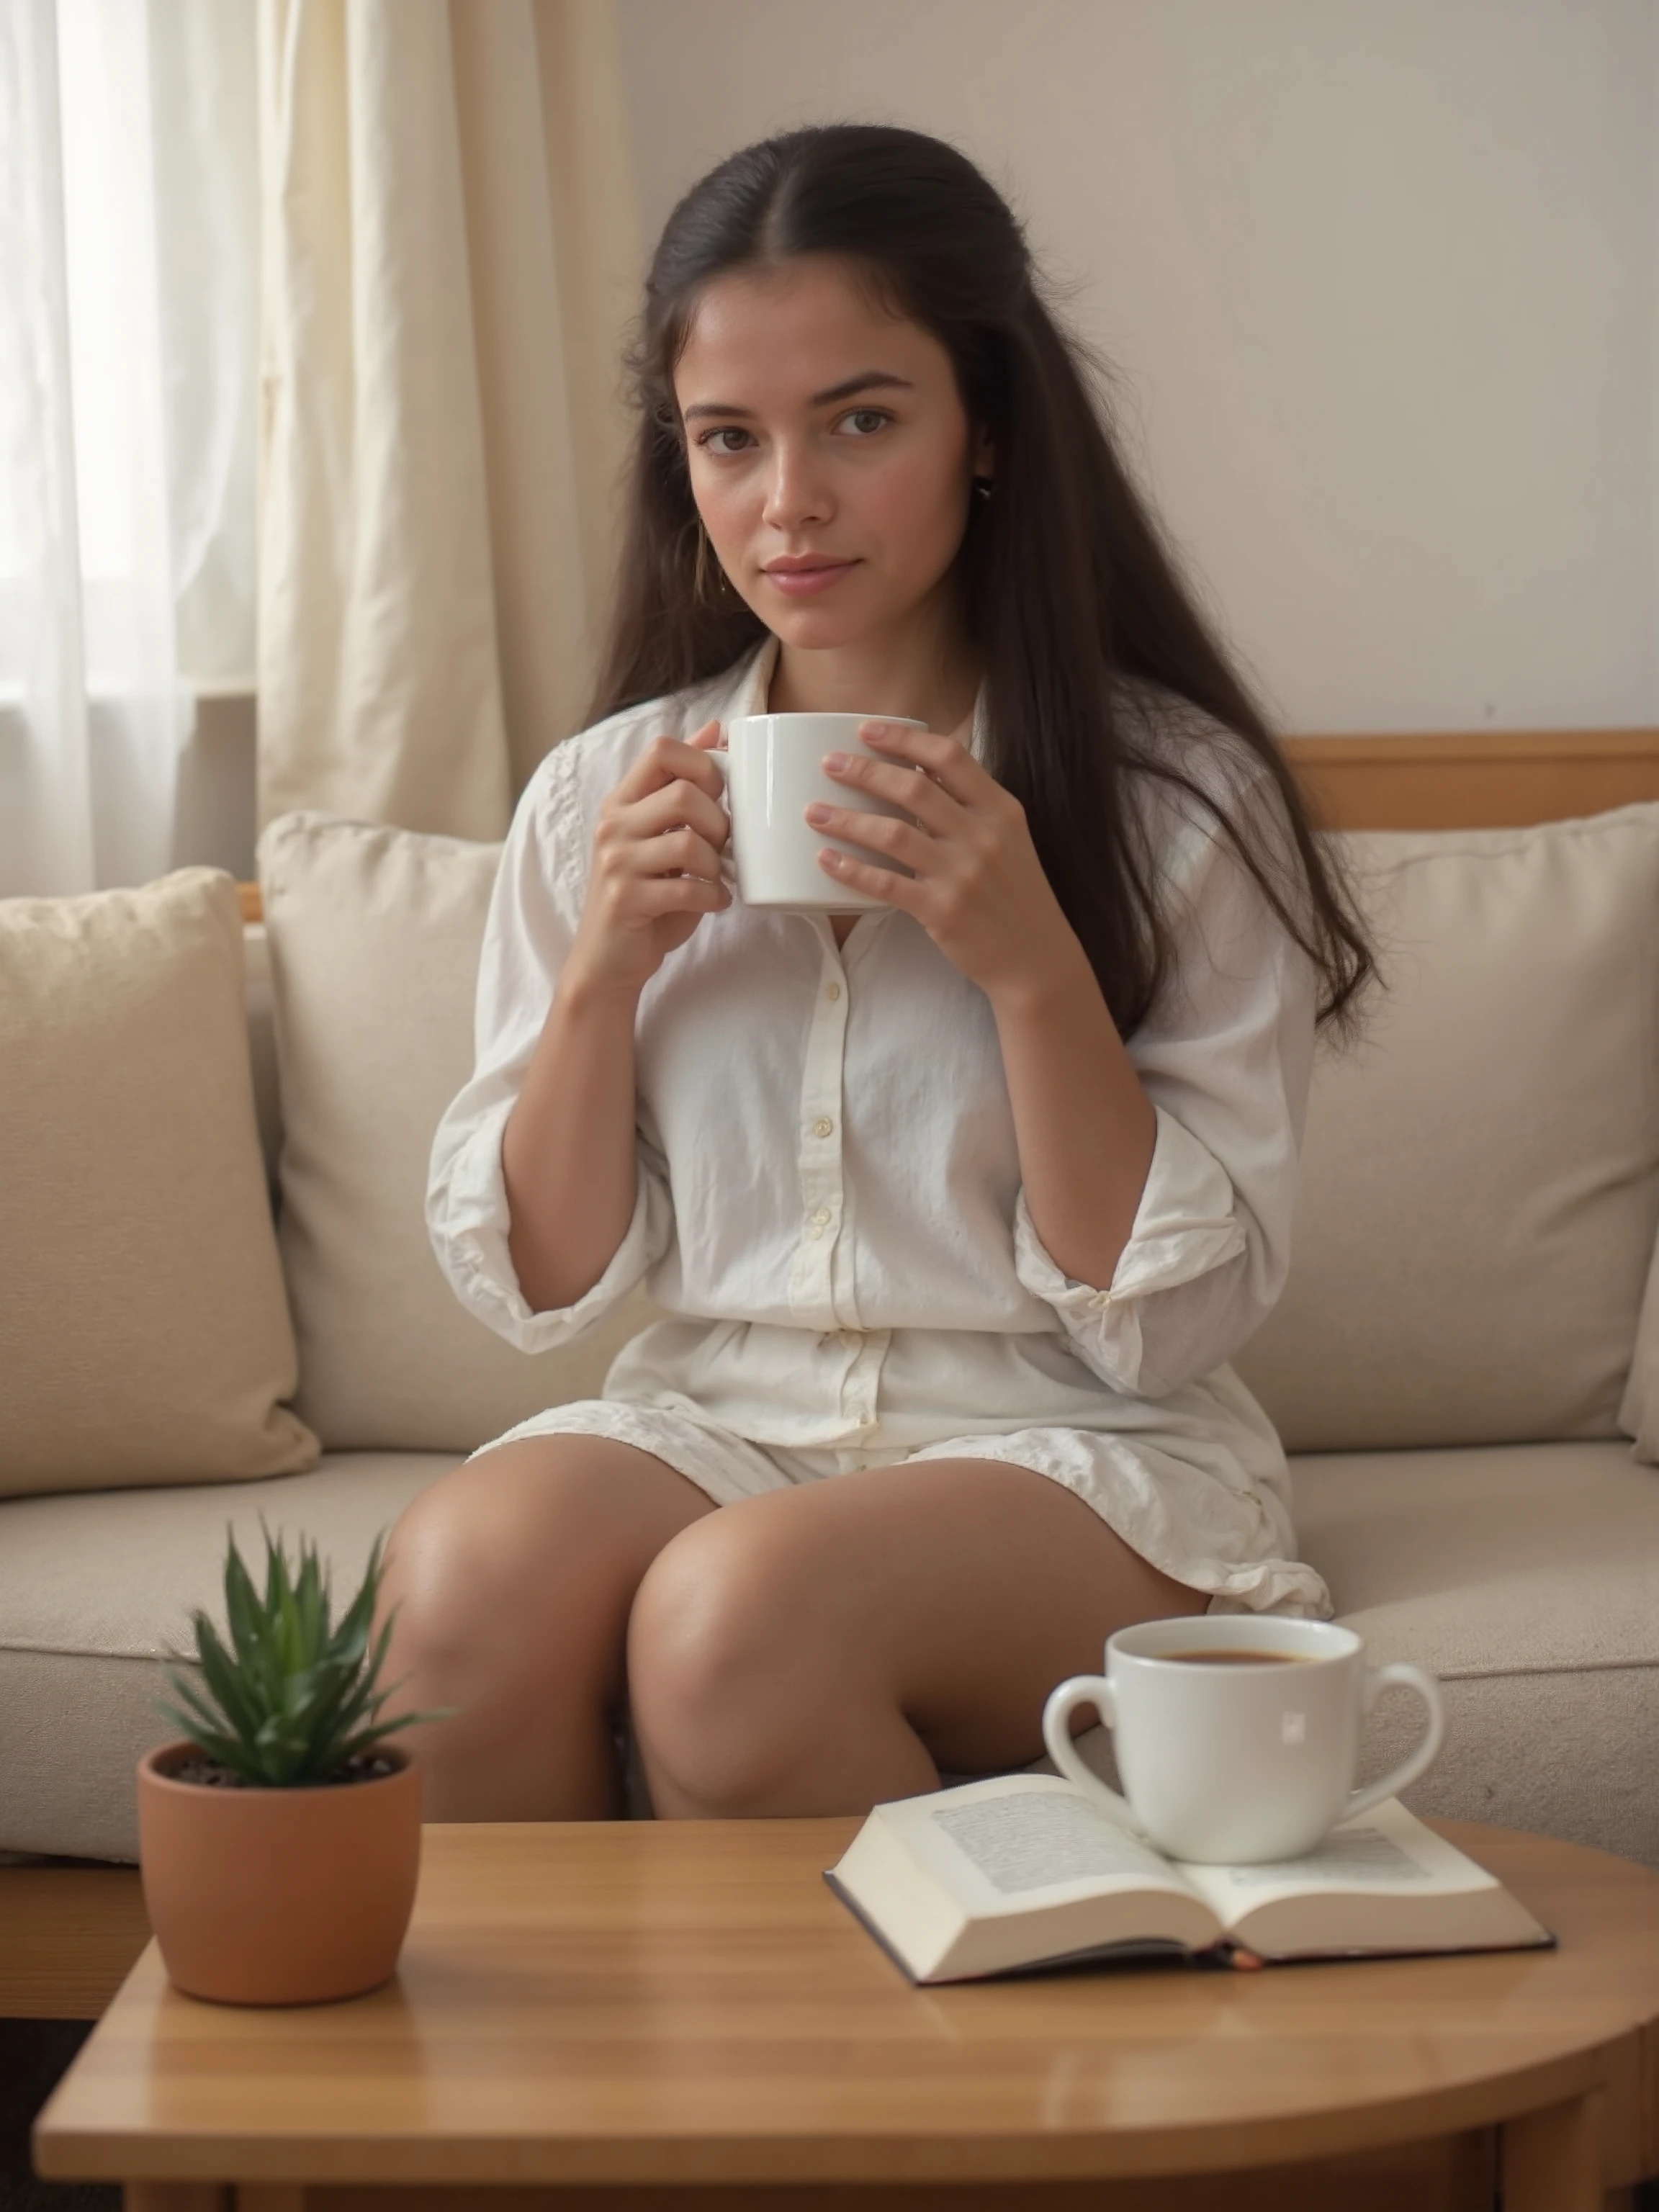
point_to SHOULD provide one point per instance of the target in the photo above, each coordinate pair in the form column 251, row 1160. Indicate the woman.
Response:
column 960, row 1206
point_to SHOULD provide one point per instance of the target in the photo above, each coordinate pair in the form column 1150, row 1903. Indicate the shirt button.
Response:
column 821, row 1218
column 832, row 990
column 823, row 1125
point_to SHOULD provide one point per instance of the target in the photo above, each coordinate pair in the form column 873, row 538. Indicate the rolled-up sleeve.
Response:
column 1226, row 1058
column 531, row 924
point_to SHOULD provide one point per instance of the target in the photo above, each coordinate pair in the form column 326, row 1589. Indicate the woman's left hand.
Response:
column 977, row 887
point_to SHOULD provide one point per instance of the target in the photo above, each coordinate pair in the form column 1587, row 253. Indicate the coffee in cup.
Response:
column 773, row 766
column 1229, row 1752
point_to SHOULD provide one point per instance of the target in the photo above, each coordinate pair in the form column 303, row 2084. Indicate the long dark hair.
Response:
column 1073, row 597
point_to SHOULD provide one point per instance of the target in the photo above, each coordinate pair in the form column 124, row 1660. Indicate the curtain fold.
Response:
column 204, row 90
column 46, row 794
column 118, row 345
column 451, row 254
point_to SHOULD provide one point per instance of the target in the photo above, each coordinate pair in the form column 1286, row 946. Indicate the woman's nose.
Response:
column 796, row 495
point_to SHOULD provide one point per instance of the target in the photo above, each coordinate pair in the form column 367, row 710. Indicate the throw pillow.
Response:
column 143, row 1333
column 1480, row 1176
column 374, row 935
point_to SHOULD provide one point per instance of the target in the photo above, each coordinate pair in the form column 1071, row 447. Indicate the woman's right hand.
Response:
column 656, row 869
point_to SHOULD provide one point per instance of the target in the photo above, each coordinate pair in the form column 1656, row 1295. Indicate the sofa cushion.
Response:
column 374, row 936
column 1527, row 1576
column 96, row 1591
column 1480, row 1176
column 144, row 1336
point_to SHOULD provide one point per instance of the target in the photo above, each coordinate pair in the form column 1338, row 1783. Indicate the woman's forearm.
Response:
column 1085, row 1126
column 567, row 1151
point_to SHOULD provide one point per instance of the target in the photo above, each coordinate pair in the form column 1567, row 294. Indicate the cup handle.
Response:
column 1378, row 1679
column 722, row 760
column 1082, row 1690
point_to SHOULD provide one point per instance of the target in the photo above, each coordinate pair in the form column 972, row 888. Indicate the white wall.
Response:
column 1380, row 276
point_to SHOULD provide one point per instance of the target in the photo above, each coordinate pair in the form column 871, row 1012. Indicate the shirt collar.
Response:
column 754, row 681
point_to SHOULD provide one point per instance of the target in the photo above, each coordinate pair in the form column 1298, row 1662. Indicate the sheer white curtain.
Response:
column 128, row 403
column 451, row 252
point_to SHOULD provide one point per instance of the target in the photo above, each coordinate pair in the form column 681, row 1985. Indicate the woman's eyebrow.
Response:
column 868, row 379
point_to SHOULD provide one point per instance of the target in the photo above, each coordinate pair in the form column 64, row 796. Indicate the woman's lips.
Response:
column 801, row 583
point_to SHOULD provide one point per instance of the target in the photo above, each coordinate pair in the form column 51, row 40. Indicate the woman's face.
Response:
column 817, row 426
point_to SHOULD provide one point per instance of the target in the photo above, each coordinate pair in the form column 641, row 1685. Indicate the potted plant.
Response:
column 279, row 1842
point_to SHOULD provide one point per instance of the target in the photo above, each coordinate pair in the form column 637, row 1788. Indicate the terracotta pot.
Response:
column 279, row 1896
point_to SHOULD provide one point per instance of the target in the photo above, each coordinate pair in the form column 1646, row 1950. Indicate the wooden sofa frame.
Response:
column 69, row 1932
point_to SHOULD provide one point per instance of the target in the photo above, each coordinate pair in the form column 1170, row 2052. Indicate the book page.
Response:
column 1384, row 1852
column 1016, row 1871
column 1003, row 1841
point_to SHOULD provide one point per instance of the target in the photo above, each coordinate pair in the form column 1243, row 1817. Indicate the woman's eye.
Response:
column 871, row 419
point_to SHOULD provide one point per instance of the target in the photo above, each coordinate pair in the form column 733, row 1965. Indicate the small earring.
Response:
column 982, row 486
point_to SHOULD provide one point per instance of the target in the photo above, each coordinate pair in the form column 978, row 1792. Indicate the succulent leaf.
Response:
column 293, row 1698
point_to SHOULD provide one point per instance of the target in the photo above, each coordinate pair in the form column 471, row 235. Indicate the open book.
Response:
column 1026, row 1870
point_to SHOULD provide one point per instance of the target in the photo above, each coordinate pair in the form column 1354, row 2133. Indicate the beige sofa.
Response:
column 1465, row 1367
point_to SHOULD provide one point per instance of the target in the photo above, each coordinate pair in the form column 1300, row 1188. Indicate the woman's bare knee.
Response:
column 746, row 1696
column 508, row 1586
column 916, row 1614
column 707, row 1639
column 490, row 1542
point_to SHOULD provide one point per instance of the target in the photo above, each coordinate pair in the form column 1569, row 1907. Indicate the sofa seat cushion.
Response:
column 1526, row 1577
column 97, row 1587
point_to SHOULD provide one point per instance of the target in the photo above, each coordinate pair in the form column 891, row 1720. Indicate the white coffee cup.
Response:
column 1233, row 1761
column 773, row 766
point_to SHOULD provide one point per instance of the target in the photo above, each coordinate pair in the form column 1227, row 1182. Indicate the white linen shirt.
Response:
column 830, row 1200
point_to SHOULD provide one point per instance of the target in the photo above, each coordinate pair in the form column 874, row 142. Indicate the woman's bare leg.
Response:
column 513, row 1577
column 819, row 1648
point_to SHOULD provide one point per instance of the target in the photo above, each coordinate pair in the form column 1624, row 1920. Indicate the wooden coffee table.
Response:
column 627, row 2013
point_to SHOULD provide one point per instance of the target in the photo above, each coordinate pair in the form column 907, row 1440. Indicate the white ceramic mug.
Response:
column 773, row 766
column 1237, row 1761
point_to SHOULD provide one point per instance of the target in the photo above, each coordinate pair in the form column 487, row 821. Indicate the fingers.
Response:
column 879, row 833
column 629, row 843
column 946, row 760
column 672, row 805
column 673, row 833
column 671, row 783
column 656, row 895
column 637, row 880
column 865, row 876
column 677, row 851
column 669, row 760
column 919, row 795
